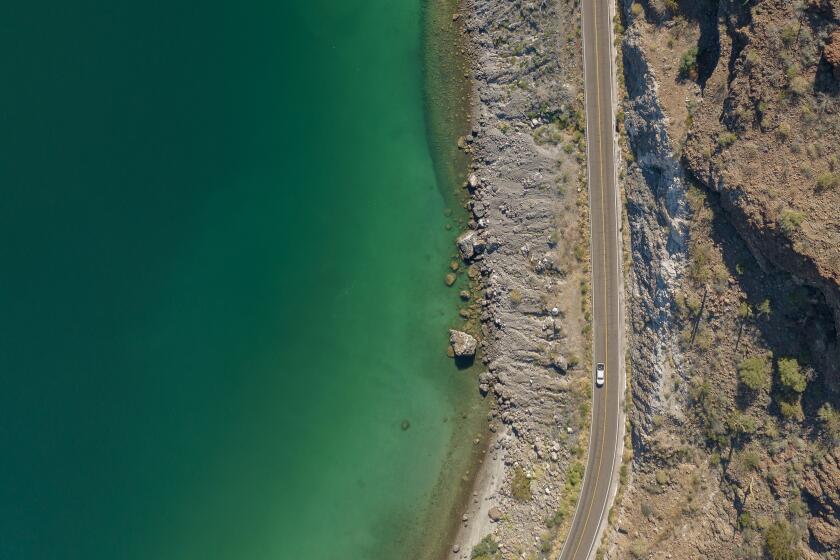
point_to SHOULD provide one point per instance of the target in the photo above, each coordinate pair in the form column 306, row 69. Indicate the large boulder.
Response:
column 463, row 344
column 469, row 245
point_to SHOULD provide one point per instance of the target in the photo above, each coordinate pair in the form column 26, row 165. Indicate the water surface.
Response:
column 223, row 243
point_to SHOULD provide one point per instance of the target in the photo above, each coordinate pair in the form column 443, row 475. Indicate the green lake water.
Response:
column 223, row 246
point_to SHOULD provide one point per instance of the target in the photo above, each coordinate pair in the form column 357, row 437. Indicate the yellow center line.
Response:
column 604, row 242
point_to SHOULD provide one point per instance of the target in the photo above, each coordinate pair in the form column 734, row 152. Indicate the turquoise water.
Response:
column 223, row 245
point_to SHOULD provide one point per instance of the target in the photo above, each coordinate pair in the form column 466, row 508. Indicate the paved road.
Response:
column 605, row 443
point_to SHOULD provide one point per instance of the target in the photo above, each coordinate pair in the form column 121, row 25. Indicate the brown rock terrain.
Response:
column 766, row 136
column 733, row 284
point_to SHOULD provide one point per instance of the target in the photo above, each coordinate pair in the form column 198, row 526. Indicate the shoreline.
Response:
column 449, row 100
column 528, row 238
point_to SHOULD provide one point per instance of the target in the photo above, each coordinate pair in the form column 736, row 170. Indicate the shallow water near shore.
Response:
column 223, row 323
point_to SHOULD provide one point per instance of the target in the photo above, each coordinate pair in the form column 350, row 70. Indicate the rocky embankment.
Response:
column 525, row 249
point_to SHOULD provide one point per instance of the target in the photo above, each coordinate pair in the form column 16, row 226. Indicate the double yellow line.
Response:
column 604, row 242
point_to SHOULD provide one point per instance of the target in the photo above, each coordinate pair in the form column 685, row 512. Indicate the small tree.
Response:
column 764, row 309
column 688, row 64
column 791, row 375
column 745, row 311
column 782, row 541
column 754, row 373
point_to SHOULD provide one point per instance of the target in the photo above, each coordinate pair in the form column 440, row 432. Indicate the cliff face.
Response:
column 656, row 211
column 765, row 136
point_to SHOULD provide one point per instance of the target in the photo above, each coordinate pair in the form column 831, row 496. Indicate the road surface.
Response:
column 606, row 436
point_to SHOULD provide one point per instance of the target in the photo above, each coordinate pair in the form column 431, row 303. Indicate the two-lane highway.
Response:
column 605, row 441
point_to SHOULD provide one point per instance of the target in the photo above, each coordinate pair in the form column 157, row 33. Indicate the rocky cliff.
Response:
column 765, row 136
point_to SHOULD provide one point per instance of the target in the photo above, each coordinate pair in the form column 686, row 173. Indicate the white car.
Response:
column 599, row 375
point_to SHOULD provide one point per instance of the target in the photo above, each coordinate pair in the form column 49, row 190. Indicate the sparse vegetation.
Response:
column 487, row 549
column 520, row 485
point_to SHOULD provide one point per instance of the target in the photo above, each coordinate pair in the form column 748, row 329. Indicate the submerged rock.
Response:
column 449, row 279
column 463, row 344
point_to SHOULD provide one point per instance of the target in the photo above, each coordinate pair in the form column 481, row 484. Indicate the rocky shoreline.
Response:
column 526, row 247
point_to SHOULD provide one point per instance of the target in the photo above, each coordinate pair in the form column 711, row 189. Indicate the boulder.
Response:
column 472, row 181
column 463, row 344
column 495, row 514
column 467, row 244
column 560, row 363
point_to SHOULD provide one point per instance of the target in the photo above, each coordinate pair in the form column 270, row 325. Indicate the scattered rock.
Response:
column 465, row 295
column 405, row 424
column 449, row 279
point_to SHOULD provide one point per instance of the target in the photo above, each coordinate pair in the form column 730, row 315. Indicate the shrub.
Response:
column 740, row 424
column 791, row 375
column 636, row 9
column 826, row 181
column 750, row 460
column 830, row 423
column 486, row 549
column 791, row 410
column 783, row 131
column 639, row 548
column 688, row 64
column 788, row 35
column 781, row 541
column 799, row 85
column 754, row 373
column 726, row 139
column 790, row 221
column 515, row 297
column 520, row 485
column 764, row 309
column 647, row 510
